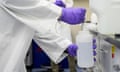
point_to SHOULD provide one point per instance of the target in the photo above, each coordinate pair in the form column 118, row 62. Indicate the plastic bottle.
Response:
column 84, row 40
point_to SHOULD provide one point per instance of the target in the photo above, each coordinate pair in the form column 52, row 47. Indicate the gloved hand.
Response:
column 94, row 44
column 72, row 49
column 73, row 15
column 60, row 3
column 94, row 49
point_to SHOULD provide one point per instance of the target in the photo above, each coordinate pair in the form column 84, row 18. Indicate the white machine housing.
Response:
column 108, row 13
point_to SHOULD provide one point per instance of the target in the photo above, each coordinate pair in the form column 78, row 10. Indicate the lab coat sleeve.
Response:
column 37, row 16
column 53, row 45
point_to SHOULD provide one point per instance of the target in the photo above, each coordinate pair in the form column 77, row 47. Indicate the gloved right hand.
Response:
column 73, row 16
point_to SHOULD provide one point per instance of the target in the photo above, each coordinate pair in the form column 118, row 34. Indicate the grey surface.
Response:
column 107, row 38
column 45, row 70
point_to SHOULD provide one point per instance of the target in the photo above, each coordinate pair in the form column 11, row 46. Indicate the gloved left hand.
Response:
column 72, row 49
column 60, row 3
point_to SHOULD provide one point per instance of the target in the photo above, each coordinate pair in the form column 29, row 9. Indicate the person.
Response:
column 19, row 21
column 58, row 27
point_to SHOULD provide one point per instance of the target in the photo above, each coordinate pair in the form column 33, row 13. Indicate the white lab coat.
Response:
column 19, row 19
column 63, row 28
column 60, row 28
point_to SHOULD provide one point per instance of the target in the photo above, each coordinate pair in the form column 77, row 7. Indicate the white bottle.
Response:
column 85, row 51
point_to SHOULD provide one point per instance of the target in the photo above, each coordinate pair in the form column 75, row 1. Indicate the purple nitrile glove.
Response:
column 60, row 3
column 73, row 16
column 94, row 53
column 94, row 44
column 94, row 59
column 72, row 49
column 94, row 47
